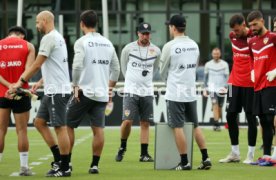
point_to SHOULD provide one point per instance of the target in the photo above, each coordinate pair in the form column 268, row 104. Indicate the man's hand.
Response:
column 222, row 91
column 253, row 76
column 36, row 86
column 76, row 93
column 205, row 93
column 271, row 75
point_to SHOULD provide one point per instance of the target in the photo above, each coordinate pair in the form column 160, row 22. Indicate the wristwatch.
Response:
column 23, row 80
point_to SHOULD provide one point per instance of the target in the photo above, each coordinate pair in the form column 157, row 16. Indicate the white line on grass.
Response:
column 46, row 157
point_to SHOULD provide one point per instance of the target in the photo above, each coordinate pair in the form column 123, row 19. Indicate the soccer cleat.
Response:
column 94, row 170
column 146, row 158
column 25, row 171
column 260, row 160
column 205, row 165
column 181, row 167
column 119, row 157
column 54, row 169
column 60, row 173
column 249, row 159
column 230, row 158
column 70, row 166
column 217, row 128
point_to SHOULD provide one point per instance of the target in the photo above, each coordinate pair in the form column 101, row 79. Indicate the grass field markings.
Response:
column 35, row 163
column 46, row 157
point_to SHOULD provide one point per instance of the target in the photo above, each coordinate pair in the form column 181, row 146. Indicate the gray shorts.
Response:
column 52, row 109
column 180, row 112
column 85, row 109
column 217, row 98
column 137, row 106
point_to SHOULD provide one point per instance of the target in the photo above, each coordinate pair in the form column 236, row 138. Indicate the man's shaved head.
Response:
column 45, row 22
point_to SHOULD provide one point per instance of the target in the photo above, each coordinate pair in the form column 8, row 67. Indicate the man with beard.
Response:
column 139, row 60
column 240, row 91
column 263, row 51
column 52, row 59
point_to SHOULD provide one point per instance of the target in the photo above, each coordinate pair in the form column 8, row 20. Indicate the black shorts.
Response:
column 17, row 106
column 238, row 98
column 85, row 109
column 265, row 101
column 137, row 106
column 180, row 112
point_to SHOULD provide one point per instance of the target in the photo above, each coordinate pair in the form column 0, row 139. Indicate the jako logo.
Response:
column 2, row 64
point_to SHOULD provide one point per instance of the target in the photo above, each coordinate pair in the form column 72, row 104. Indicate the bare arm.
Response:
column 31, row 56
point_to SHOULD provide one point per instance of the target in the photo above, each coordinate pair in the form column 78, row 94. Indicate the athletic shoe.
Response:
column 260, row 160
column 217, row 128
column 60, row 173
column 25, row 171
column 180, row 167
column 70, row 166
column 119, row 157
column 94, row 170
column 146, row 158
column 249, row 159
column 54, row 169
column 205, row 165
column 231, row 158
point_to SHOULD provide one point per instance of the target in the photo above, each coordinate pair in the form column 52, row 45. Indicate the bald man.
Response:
column 52, row 58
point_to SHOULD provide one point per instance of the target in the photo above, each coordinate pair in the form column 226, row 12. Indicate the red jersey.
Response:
column 263, row 50
column 13, row 57
column 242, row 61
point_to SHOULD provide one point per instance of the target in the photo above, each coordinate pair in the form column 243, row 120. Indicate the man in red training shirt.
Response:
column 16, row 54
column 263, row 51
column 240, row 91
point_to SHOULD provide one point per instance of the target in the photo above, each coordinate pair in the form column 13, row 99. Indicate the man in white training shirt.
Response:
column 216, row 74
column 96, row 70
column 139, row 60
column 178, row 67
column 52, row 59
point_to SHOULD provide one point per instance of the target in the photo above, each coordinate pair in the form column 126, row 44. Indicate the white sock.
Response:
column 1, row 155
column 251, row 150
column 274, row 153
column 236, row 149
column 24, row 156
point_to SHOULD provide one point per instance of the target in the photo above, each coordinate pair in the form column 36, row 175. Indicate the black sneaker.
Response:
column 60, row 173
column 146, row 158
column 217, row 128
column 70, row 166
column 180, row 167
column 119, row 157
column 94, row 170
column 205, row 165
column 54, row 169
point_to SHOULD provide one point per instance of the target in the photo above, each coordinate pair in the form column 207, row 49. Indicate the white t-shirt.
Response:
column 136, row 60
column 55, row 72
column 217, row 73
column 178, row 67
column 97, row 58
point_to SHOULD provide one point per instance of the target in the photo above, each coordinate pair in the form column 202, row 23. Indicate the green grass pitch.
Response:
column 130, row 168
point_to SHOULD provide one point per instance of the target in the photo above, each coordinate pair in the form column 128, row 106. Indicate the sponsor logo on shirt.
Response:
column 100, row 61
column 20, row 46
column 135, row 64
column 182, row 50
column 3, row 64
column 95, row 44
column 187, row 66
column 256, row 58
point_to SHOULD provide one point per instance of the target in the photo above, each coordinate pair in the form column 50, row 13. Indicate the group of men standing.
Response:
column 96, row 70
